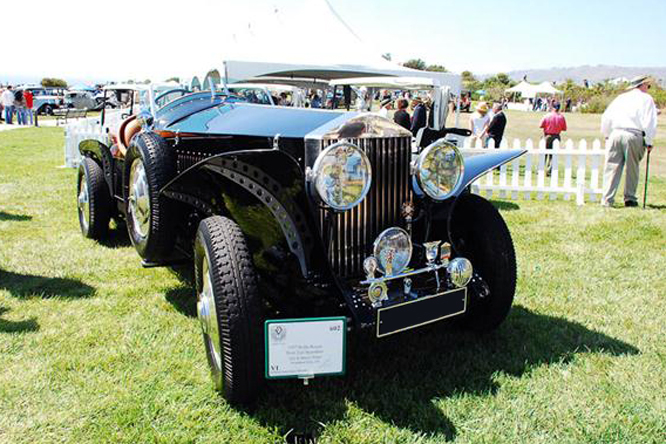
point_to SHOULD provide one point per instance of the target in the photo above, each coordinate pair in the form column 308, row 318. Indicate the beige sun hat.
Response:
column 638, row 81
column 482, row 107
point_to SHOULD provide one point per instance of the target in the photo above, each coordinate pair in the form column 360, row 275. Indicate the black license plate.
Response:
column 412, row 314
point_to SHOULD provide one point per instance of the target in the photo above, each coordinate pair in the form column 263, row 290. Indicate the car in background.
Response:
column 45, row 99
column 287, row 212
column 80, row 100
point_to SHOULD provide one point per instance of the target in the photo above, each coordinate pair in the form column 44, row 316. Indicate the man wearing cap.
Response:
column 384, row 106
column 630, row 124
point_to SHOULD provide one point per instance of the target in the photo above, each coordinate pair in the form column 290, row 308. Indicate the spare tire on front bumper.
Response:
column 150, row 163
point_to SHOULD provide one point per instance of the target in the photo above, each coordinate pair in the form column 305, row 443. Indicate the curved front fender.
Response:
column 477, row 165
column 264, row 192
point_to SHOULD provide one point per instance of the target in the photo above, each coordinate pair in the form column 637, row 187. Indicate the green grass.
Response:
column 94, row 348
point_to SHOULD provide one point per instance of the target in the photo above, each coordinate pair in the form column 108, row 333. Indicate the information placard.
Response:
column 303, row 348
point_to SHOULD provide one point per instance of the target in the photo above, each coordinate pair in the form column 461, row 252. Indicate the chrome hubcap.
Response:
column 139, row 199
column 84, row 203
column 207, row 314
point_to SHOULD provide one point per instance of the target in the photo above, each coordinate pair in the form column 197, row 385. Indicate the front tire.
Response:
column 93, row 200
column 149, row 165
column 479, row 233
column 229, row 309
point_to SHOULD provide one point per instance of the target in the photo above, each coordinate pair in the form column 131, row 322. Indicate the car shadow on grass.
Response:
column 13, row 217
column 183, row 300
column 116, row 238
column 25, row 286
column 504, row 205
column 6, row 326
column 399, row 379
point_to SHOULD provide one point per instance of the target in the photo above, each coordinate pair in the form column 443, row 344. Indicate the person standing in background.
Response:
column 479, row 121
column 384, row 107
column 401, row 117
column 8, row 102
column 496, row 126
column 2, row 108
column 552, row 125
column 19, row 105
column 630, row 125
column 419, row 117
column 29, row 102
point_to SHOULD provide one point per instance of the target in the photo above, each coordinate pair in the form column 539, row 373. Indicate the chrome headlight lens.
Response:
column 342, row 175
column 393, row 250
column 439, row 169
column 460, row 271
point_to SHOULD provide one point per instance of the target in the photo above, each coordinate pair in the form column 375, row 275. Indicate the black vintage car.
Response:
column 289, row 212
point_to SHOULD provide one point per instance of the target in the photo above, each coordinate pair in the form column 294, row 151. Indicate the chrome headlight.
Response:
column 460, row 271
column 393, row 250
column 342, row 175
column 439, row 169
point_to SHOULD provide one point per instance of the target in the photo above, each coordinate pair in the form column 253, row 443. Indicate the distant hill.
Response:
column 591, row 73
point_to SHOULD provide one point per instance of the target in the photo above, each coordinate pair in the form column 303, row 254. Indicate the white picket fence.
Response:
column 89, row 128
column 577, row 171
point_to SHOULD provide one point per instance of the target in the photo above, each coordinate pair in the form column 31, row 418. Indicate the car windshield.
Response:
column 251, row 95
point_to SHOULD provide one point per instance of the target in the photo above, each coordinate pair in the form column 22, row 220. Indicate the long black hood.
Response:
column 244, row 119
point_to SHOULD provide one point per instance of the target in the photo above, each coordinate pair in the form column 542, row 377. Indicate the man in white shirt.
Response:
column 7, row 99
column 385, row 106
column 630, row 124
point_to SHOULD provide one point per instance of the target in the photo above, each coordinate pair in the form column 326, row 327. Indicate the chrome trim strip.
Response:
column 422, row 323
column 405, row 274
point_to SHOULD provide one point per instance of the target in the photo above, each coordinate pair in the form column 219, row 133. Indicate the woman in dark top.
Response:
column 401, row 117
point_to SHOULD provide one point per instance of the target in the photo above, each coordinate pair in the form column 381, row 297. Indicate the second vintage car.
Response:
column 288, row 212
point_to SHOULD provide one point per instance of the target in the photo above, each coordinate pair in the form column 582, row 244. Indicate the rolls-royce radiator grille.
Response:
column 355, row 230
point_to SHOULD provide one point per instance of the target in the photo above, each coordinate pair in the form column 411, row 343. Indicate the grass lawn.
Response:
column 94, row 348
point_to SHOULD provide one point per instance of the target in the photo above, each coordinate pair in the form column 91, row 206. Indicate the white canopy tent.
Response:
column 530, row 91
column 547, row 88
column 236, row 70
column 407, row 83
column 274, row 43
column 526, row 90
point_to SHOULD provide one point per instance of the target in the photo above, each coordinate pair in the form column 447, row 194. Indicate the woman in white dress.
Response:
column 479, row 121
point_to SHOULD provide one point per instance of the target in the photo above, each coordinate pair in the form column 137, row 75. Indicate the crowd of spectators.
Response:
column 16, row 103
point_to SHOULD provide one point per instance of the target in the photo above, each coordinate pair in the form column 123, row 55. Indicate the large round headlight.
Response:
column 342, row 175
column 440, row 170
column 393, row 250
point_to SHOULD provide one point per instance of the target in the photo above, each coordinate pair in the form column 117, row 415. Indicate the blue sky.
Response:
column 491, row 36
column 160, row 40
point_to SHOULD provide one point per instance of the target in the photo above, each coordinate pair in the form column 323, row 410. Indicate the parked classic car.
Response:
column 289, row 213
column 45, row 99
column 80, row 100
